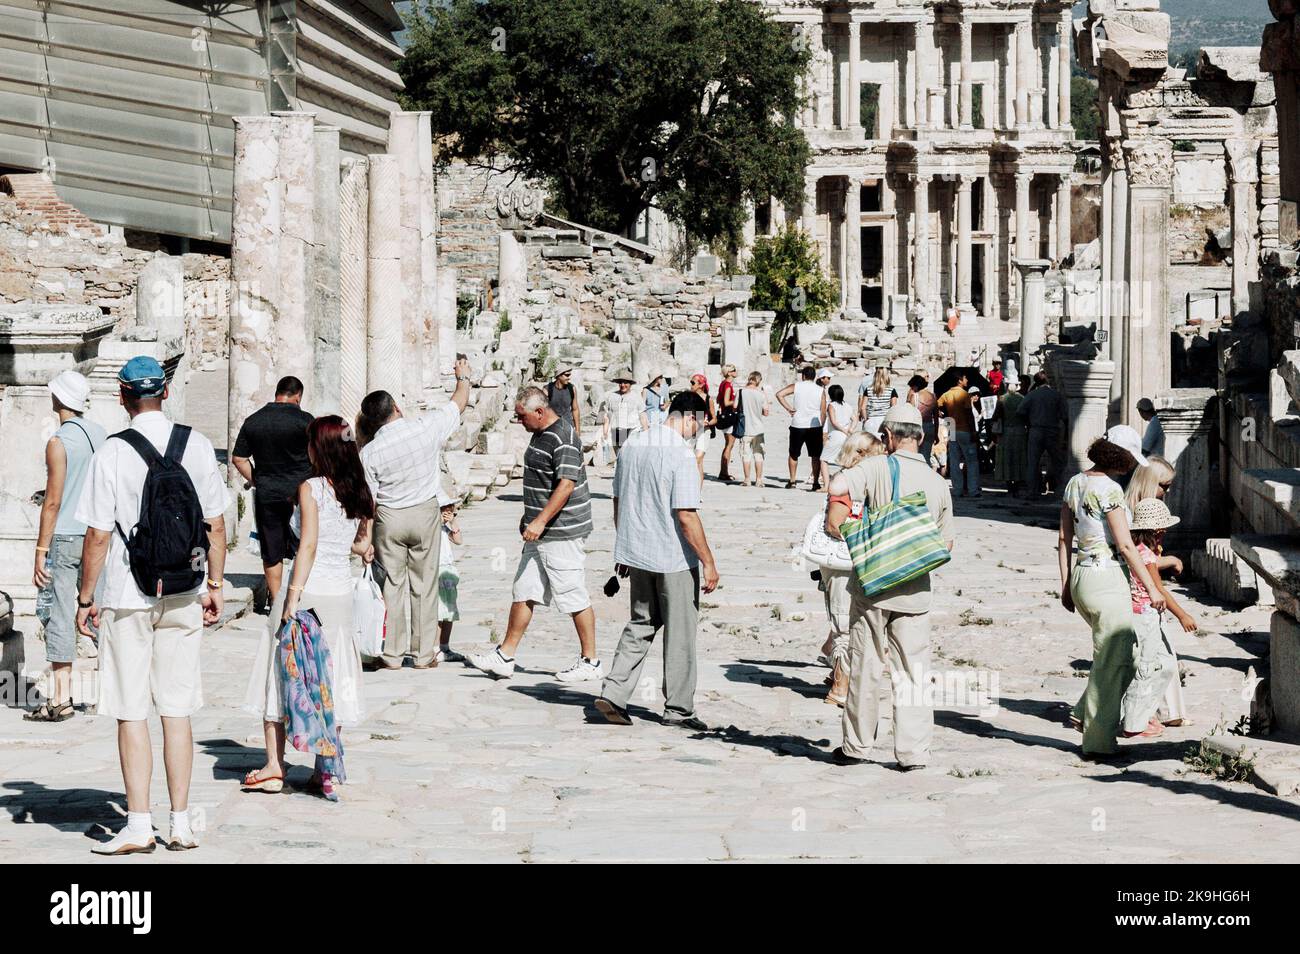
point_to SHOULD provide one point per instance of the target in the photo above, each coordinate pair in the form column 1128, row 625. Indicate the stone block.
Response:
column 566, row 250
column 1276, row 558
column 1227, row 577
column 1284, row 672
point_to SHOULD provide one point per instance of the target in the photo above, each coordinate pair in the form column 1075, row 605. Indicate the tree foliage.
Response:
column 1084, row 115
column 617, row 104
column 788, row 279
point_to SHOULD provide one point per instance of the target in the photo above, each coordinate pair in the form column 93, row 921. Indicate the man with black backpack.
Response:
column 153, row 505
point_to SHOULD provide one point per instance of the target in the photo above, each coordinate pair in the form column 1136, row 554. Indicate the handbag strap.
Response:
column 893, row 474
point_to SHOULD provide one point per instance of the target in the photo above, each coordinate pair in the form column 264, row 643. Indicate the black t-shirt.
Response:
column 275, row 437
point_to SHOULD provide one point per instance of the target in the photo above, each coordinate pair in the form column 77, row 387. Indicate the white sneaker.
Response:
column 126, row 842
column 493, row 663
column 581, row 671
column 181, row 840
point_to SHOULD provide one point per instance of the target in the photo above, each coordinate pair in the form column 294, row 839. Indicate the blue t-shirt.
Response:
column 80, row 439
column 656, row 474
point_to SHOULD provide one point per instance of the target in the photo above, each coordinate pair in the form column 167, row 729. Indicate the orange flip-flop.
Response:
column 272, row 784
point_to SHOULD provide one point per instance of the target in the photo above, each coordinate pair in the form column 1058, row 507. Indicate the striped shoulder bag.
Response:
column 895, row 542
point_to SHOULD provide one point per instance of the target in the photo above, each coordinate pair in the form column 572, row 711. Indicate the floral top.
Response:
column 1141, row 598
column 1090, row 498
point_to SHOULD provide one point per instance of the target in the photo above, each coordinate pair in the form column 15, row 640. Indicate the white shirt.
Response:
column 331, row 570
column 402, row 462
column 111, row 498
column 807, row 405
column 1153, row 438
column 623, row 410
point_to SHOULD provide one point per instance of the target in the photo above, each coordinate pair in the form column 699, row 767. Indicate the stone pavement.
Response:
column 453, row 766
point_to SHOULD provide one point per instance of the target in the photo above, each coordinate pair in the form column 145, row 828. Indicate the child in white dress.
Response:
column 448, row 583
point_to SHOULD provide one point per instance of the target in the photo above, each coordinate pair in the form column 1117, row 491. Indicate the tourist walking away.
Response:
column 1155, row 664
column 661, row 548
column 875, row 397
column 448, row 582
column 271, row 455
column 401, row 457
column 840, row 423
column 555, row 526
column 1153, row 435
column 728, row 417
column 1009, row 464
column 332, row 520
column 963, row 440
column 1095, row 522
column 892, row 629
column 620, row 412
column 702, row 438
column 655, row 396
column 1044, row 414
column 834, row 583
column 61, row 537
column 153, row 506
column 804, row 400
column 922, row 398
column 755, row 407
column 562, row 395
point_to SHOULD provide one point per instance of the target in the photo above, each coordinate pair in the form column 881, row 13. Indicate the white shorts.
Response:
column 152, row 655
column 554, row 573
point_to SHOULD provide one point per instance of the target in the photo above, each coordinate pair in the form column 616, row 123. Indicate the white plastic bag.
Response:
column 369, row 615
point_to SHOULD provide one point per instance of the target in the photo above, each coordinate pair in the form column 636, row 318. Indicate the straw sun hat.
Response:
column 1152, row 514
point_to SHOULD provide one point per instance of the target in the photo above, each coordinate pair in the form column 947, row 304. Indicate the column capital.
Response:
column 1243, row 164
column 1185, row 411
column 1150, row 161
column 1024, row 177
column 966, row 27
column 964, row 181
column 919, row 178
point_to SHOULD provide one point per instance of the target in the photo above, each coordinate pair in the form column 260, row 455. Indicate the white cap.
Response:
column 1121, row 435
column 72, row 390
column 824, row 374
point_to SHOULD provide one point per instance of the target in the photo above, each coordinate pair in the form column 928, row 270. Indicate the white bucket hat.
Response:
column 1121, row 435
column 72, row 390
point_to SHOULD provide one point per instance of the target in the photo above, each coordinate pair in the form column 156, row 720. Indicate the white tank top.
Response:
column 807, row 405
column 331, row 571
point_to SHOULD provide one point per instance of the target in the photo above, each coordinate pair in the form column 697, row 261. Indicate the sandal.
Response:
column 272, row 784
column 1152, row 730
column 48, row 713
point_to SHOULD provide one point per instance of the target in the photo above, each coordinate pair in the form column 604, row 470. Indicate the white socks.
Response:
column 180, row 822
column 139, row 823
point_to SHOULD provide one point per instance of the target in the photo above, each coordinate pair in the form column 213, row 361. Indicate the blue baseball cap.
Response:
column 143, row 377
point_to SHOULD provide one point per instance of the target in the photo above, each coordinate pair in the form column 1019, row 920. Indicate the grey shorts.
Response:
column 65, row 578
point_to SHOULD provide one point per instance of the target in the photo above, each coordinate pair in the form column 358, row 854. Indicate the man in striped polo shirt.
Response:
column 555, row 525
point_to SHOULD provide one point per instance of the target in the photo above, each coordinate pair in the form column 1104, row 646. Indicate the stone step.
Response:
column 1227, row 576
column 1278, row 488
column 1275, row 557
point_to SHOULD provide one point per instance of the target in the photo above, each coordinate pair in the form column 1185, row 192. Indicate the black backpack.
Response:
column 168, row 547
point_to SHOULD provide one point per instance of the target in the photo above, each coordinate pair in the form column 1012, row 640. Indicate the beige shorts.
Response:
column 554, row 573
column 152, row 655
column 751, row 447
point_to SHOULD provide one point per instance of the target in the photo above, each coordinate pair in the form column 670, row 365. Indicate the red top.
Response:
column 725, row 392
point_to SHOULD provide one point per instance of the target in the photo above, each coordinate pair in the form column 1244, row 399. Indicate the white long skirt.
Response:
column 335, row 612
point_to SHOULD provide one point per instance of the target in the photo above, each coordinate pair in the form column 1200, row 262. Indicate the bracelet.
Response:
column 215, row 584
column 294, row 589
column 42, row 549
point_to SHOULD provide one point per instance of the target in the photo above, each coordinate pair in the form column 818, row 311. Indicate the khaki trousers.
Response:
column 406, row 545
column 878, row 638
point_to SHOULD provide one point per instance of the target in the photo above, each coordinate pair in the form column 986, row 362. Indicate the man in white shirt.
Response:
column 401, row 461
column 659, row 543
column 620, row 411
column 1153, row 438
column 807, row 415
column 149, row 645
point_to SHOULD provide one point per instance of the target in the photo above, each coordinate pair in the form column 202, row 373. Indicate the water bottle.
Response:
column 45, row 595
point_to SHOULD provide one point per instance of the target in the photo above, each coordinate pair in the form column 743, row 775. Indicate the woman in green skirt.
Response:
column 1094, row 521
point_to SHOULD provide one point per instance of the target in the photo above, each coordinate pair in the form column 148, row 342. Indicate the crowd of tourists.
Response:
column 131, row 553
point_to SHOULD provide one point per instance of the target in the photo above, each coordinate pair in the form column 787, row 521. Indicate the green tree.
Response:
column 1084, row 115
column 618, row 104
column 788, row 280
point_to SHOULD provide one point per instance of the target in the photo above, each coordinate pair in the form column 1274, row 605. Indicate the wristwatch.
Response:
column 87, row 605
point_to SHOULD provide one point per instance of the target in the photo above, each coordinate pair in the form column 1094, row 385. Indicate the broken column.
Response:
column 384, row 326
column 445, row 310
column 419, row 334
column 1188, row 416
column 1085, row 386
column 1243, row 167
column 296, row 171
column 323, row 265
column 353, row 271
column 512, row 273
column 1033, row 310
column 1146, row 368
column 160, row 313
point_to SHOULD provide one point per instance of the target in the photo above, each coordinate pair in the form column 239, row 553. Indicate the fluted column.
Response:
column 419, row 291
column 1119, row 296
column 921, row 252
column 921, row 81
column 296, row 171
column 1146, row 367
column 384, row 301
column 853, row 246
column 1024, row 72
column 354, row 211
column 853, row 97
column 964, row 304
column 967, row 77
column 325, row 317
column 1063, row 215
column 1024, row 181
column 1065, row 58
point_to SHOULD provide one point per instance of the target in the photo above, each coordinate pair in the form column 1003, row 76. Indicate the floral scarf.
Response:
column 306, row 671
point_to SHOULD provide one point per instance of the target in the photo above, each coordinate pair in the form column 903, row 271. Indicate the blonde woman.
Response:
column 876, row 398
column 834, row 584
column 1150, row 482
column 755, row 406
column 728, row 416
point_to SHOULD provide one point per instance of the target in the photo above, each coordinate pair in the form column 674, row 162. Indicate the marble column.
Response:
column 921, row 81
column 1010, row 68
column 1243, row 169
column 922, row 309
column 439, row 361
column 418, row 325
column 1103, row 296
column 1188, row 419
column 1065, row 57
column 1064, row 248
column 853, row 247
column 324, row 265
column 889, row 237
column 1146, row 368
column 964, row 304
column 255, row 275
column 1033, row 310
column 160, row 297
column 512, row 273
column 1024, row 181
column 808, row 217
column 1085, row 386
column 446, row 311
column 384, row 326
column 1024, row 71
column 853, row 95
column 967, row 117
column 1118, row 253
column 353, row 271
column 297, row 178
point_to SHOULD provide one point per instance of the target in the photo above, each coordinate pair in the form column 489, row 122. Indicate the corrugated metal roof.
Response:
column 130, row 103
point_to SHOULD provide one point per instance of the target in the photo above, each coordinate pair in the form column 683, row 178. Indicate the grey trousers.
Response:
column 1044, row 440
column 406, row 545
column 667, row 601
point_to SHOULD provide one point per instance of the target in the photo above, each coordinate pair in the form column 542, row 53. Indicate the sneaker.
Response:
column 181, row 839
column 613, row 713
column 582, row 671
column 493, row 663
column 689, row 722
column 126, row 843
column 840, row 757
column 447, row 654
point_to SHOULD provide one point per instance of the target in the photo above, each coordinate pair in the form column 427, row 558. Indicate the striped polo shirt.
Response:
column 554, row 455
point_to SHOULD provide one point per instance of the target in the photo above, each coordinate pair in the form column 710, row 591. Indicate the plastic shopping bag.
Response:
column 369, row 614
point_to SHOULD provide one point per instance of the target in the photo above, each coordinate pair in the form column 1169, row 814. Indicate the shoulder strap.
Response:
column 141, row 445
column 176, row 443
column 89, row 439
column 893, row 475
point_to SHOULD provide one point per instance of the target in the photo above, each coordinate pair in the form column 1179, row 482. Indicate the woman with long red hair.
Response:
column 333, row 519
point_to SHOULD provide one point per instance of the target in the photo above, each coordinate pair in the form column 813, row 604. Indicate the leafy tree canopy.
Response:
column 618, row 104
column 788, row 279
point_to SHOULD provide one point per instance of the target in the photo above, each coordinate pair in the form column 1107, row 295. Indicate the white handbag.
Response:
column 823, row 550
column 369, row 614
